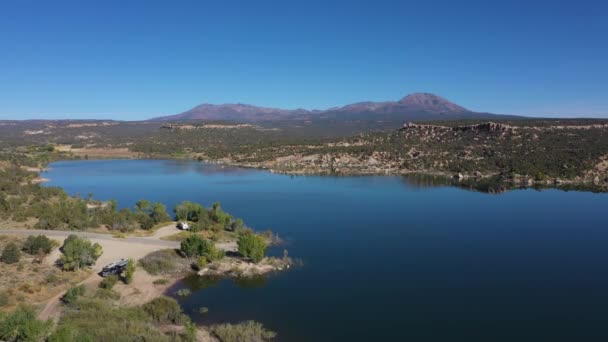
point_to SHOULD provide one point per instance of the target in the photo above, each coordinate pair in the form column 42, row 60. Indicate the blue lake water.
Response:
column 385, row 259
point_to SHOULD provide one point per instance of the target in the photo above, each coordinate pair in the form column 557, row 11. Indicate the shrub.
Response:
column 22, row 325
column 165, row 310
column 252, row 246
column 243, row 332
column 129, row 271
column 161, row 262
column 79, row 252
column 202, row 262
column 11, row 254
column 161, row 281
column 108, row 282
column 184, row 292
column 33, row 244
column 72, row 295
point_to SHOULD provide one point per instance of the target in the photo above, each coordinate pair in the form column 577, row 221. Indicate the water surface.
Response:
column 386, row 259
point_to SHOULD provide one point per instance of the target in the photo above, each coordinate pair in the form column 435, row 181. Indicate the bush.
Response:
column 22, row 325
column 165, row 310
column 11, row 254
column 33, row 244
column 108, row 282
column 252, row 246
column 72, row 295
column 161, row 262
column 79, row 252
column 243, row 332
column 129, row 271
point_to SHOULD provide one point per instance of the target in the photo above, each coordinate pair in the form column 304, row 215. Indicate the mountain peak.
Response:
column 430, row 102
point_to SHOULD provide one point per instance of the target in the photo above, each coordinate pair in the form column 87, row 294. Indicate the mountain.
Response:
column 418, row 106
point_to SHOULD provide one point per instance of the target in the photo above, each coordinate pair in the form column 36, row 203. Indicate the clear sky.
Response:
column 138, row 59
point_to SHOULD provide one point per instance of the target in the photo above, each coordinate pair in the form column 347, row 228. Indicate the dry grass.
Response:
column 32, row 283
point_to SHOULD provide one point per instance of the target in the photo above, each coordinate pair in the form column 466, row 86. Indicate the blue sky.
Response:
column 139, row 59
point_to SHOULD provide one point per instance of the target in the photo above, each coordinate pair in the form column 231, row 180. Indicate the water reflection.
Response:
column 194, row 282
column 490, row 185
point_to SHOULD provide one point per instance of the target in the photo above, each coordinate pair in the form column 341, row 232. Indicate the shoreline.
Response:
column 593, row 184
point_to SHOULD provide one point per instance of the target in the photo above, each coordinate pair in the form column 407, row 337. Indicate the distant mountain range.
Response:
column 418, row 106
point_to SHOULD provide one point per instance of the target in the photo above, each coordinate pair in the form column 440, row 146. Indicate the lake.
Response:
column 386, row 258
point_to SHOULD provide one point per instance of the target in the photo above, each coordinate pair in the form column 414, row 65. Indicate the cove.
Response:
column 386, row 258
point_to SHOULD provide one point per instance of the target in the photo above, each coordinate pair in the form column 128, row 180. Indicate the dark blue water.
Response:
column 387, row 260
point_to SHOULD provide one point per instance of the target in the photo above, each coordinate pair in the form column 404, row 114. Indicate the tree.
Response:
column 79, row 252
column 35, row 243
column 11, row 254
column 142, row 205
column 129, row 271
column 194, row 245
column 189, row 211
column 159, row 213
column 252, row 246
column 218, row 215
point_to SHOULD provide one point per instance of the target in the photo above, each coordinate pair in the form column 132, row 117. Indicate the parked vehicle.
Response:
column 183, row 226
column 115, row 268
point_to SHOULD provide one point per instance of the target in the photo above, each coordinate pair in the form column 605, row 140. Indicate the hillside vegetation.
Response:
column 547, row 152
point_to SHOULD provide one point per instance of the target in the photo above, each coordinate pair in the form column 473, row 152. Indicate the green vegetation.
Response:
column 94, row 319
column 183, row 292
column 203, row 219
column 129, row 271
column 72, row 295
column 195, row 246
column 108, row 282
column 148, row 215
column 252, row 246
column 22, row 325
column 34, row 244
column 243, row 332
column 10, row 254
column 165, row 310
column 166, row 262
column 79, row 252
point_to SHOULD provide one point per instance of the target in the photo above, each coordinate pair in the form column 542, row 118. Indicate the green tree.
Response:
column 252, row 246
column 194, row 245
column 11, row 254
column 142, row 205
column 79, row 252
column 22, row 325
column 189, row 211
column 159, row 213
column 129, row 271
column 217, row 215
